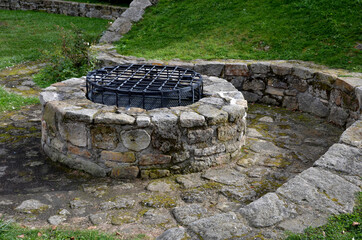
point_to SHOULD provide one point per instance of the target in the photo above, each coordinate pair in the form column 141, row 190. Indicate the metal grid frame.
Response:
column 144, row 86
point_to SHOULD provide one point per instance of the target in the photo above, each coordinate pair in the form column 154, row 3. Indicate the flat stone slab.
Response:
column 353, row 135
column 226, row 176
column 190, row 213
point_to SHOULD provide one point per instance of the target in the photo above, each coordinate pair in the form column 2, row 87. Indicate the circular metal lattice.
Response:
column 144, row 86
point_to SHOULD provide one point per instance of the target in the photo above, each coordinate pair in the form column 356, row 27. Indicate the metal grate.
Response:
column 144, row 86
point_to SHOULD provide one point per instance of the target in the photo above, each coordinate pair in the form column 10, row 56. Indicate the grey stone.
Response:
column 262, row 146
column 110, row 37
column 82, row 115
column 64, row 212
column 234, row 111
column 140, row 3
column 260, row 68
column 321, row 190
column 121, row 26
column 177, row 233
column 75, row 133
column 353, row 135
column 191, row 119
column 32, row 206
column 157, row 217
column 216, row 101
column 266, row 119
column 107, row 205
column 338, row 116
column 218, row 87
column 226, row 176
column 81, row 164
column 74, row 204
column 98, row 218
column 210, row 150
column 358, row 91
column 274, row 91
column 190, row 180
column 253, row 133
column 159, row 186
column 282, row 69
column 212, row 114
column 48, row 96
column 251, row 97
column 254, row 85
column 342, row 158
column 236, row 69
column 301, row 222
column 220, row 226
column 189, row 213
column 267, row 211
column 114, row 118
column 143, row 121
column 239, row 194
column 290, row 103
column 166, row 123
column 303, row 73
column 310, row 104
column 123, row 202
column 56, row 220
column 136, row 140
column 133, row 13
column 268, row 100
column 210, row 68
column 200, row 135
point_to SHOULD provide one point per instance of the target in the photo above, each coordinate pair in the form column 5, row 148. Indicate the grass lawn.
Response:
column 324, row 31
column 11, row 101
column 24, row 34
column 121, row 3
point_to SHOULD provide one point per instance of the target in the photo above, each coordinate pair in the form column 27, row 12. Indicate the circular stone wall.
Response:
column 106, row 140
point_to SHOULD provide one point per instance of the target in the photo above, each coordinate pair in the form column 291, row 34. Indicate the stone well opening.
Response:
column 122, row 139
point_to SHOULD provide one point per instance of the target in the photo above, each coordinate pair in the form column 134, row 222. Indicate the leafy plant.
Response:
column 68, row 59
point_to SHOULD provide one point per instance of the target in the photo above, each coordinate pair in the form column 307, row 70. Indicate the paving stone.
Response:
column 353, row 135
column 301, row 222
column 342, row 158
column 253, row 133
column 178, row 233
column 266, row 119
column 32, row 206
column 226, row 176
column 74, row 204
column 310, row 104
column 157, row 217
column 159, row 186
column 133, row 13
column 98, row 218
column 190, row 180
column 189, row 213
column 262, row 146
column 56, row 220
column 220, row 226
column 267, row 211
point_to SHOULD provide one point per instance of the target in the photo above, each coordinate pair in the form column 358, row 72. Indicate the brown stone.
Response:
column 274, row 91
column 104, row 137
column 237, row 69
column 225, row 133
column 154, row 159
column 79, row 151
column 154, row 173
column 125, row 172
column 126, row 157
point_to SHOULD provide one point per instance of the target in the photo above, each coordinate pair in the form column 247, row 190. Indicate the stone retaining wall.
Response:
column 65, row 7
column 106, row 140
column 296, row 85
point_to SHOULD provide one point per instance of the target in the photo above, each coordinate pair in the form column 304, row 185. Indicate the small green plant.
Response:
column 341, row 227
column 68, row 59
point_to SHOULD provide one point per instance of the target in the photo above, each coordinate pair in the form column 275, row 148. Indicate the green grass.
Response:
column 14, row 232
column 339, row 227
column 25, row 34
column 11, row 101
column 121, row 3
column 323, row 31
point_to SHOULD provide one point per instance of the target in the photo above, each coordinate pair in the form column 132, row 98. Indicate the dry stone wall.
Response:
column 65, row 7
column 106, row 140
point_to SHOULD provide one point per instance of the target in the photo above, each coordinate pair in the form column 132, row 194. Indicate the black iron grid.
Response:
column 144, row 86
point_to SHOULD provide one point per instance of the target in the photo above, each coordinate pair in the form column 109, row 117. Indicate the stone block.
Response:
column 310, row 104
column 121, row 26
column 104, row 137
column 290, row 103
column 133, row 13
column 188, row 214
column 82, row 115
column 180, row 156
column 125, row 172
column 154, row 159
column 143, row 121
column 114, row 118
column 267, row 211
column 234, row 111
column 200, row 135
column 274, row 91
column 303, row 73
column 48, row 96
column 210, row 150
column 358, row 91
column 209, row 68
column 282, row 69
column 338, row 116
column 166, row 123
column 79, row 151
column 140, row 4
column 136, row 140
column 227, row 132
column 299, row 84
column 192, row 119
column 177, row 233
column 236, row 69
column 154, row 173
column 254, row 85
column 260, row 68
column 342, row 158
column 251, row 97
column 73, row 132
column 325, row 77
column 124, row 157
column 212, row 114
column 353, row 135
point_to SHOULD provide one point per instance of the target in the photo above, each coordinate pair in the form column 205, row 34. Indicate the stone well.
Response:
column 106, row 140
